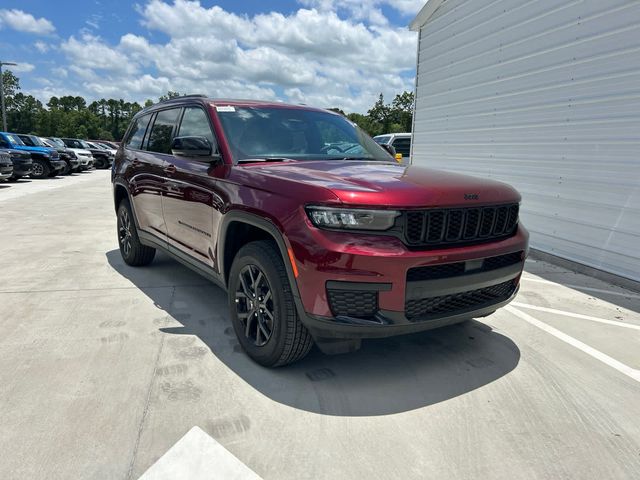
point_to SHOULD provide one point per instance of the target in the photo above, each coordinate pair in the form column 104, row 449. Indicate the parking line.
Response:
column 580, row 287
column 598, row 355
column 197, row 456
column 576, row 315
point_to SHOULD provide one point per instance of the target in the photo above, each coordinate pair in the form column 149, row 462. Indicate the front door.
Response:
column 190, row 202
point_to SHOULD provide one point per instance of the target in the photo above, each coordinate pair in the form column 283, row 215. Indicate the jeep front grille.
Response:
column 436, row 227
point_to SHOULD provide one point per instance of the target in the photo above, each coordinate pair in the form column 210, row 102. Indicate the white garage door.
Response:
column 544, row 95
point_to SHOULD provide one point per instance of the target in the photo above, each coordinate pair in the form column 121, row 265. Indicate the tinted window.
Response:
column 402, row 145
column 195, row 123
column 27, row 140
column 136, row 135
column 161, row 132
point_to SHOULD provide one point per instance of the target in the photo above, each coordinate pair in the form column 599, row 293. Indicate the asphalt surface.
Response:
column 104, row 368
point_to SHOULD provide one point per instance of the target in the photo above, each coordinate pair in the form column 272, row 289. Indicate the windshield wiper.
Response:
column 349, row 158
column 265, row 159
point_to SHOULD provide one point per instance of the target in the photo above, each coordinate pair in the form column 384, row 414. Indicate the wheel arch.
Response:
column 239, row 228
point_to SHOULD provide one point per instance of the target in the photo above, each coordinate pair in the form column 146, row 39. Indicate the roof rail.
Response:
column 180, row 97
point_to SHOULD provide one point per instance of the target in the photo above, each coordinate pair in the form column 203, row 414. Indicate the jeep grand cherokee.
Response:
column 317, row 234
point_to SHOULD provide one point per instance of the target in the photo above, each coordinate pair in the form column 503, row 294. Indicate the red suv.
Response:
column 317, row 234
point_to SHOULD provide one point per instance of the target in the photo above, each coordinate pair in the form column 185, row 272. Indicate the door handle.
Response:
column 170, row 169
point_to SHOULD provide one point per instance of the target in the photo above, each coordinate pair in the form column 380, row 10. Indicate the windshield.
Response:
column 294, row 133
column 14, row 139
column 36, row 141
column 84, row 144
column 382, row 139
column 57, row 142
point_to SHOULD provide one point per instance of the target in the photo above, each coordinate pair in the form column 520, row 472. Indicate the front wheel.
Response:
column 40, row 169
column 133, row 252
column 262, row 308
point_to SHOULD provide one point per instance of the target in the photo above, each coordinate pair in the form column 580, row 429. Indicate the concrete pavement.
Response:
column 105, row 367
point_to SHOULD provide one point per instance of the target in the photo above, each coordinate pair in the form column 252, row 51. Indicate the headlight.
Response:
column 71, row 154
column 352, row 218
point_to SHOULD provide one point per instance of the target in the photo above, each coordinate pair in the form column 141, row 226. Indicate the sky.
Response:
column 325, row 53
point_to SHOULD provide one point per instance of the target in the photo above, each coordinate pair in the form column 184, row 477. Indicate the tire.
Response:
column 67, row 168
column 99, row 164
column 258, row 272
column 133, row 252
column 40, row 169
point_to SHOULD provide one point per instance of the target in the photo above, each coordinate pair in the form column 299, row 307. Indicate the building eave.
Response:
column 425, row 14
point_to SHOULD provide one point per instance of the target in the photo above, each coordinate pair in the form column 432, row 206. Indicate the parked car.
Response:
column 312, row 243
column 85, row 158
column 102, row 159
column 400, row 141
column 22, row 163
column 66, row 154
column 6, row 166
column 109, row 150
column 46, row 161
column 107, row 143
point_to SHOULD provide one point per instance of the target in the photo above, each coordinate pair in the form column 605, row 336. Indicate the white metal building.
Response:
column 544, row 95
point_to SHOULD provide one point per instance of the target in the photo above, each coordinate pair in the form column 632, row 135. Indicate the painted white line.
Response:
column 580, row 287
column 197, row 456
column 598, row 355
column 576, row 315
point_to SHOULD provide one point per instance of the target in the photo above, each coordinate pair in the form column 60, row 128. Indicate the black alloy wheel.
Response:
column 254, row 305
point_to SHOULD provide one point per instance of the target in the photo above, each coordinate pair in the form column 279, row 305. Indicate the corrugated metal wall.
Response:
column 544, row 95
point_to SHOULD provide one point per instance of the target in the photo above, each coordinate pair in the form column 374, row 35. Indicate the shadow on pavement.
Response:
column 386, row 376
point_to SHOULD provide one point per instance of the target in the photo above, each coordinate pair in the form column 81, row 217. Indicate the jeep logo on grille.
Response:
column 471, row 196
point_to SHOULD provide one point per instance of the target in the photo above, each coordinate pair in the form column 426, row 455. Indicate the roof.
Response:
column 425, row 14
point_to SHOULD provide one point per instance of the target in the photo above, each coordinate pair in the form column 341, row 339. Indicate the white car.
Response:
column 400, row 141
column 84, row 155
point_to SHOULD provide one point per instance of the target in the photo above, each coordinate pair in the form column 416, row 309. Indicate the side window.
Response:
column 27, row 141
column 403, row 146
column 161, row 132
column 195, row 123
column 136, row 135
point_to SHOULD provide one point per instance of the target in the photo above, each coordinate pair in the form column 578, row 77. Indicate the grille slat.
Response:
column 468, row 225
column 423, row 309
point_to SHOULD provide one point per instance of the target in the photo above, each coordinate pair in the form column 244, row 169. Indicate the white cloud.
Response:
column 42, row 47
column 25, row 22
column 313, row 56
column 22, row 67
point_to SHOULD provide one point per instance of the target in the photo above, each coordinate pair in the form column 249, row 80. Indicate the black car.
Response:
column 102, row 158
column 66, row 154
column 6, row 166
column 22, row 163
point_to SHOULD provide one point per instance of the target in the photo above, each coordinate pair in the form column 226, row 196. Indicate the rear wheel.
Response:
column 133, row 252
column 40, row 169
column 262, row 308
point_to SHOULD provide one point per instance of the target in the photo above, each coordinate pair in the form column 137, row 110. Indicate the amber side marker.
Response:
column 293, row 263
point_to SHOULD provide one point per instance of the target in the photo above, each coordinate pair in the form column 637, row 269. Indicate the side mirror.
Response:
column 390, row 149
column 192, row 147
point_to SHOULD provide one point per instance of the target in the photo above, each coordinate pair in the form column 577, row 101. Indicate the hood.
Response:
column 16, row 154
column 27, row 148
column 388, row 184
column 80, row 151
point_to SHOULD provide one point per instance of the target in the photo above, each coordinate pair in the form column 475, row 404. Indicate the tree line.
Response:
column 107, row 119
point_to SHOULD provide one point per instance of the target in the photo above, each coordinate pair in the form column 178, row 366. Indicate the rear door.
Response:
column 146, row 149
column 191, row 205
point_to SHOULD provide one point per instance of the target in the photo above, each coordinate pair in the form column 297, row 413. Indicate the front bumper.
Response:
column 340, row 261
column 22, row 169
column 58, row 164
column 6, row 172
